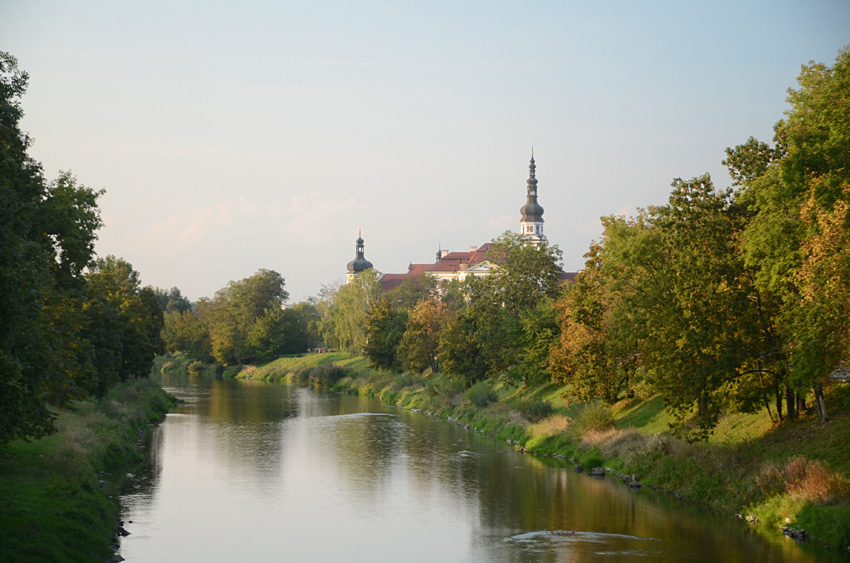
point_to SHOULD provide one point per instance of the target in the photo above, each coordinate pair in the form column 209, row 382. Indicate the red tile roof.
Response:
column 451, row 262
column 392, row 281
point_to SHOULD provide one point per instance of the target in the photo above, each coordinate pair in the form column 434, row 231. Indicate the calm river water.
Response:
column 250, row 471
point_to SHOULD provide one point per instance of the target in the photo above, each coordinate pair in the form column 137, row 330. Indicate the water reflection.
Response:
column 252, row 471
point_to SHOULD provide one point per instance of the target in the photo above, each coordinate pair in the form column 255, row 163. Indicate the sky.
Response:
column 235, row 136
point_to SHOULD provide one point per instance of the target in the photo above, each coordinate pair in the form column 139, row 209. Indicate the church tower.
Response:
column 359, row 264
column 531, row 224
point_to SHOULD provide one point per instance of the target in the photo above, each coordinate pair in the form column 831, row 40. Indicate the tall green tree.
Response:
column 346, row 309
column 694, row 345
column 502, row 316
column 235, row 308
column 185, row 332
column 114, row 284
column 275, row 334
column 796, row 191
column 385, row 326
column 46, row 241
column 171, row 300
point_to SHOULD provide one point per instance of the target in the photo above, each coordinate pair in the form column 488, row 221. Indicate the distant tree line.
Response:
column 720, row 300
column 243, row 323
column 71, row 325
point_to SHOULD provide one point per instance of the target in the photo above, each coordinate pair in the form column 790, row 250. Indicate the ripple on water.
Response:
column 600, row 543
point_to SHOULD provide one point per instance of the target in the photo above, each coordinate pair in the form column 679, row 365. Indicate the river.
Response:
column 251, row 471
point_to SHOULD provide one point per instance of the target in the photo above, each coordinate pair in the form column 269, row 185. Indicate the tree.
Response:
column 344, row 315
column 233, row 311
column 184, row 332
column 307, row 319
column 46, row 240
column 113, row 283
column 526, row 273
column 500, row 311
column 275, row 334
column 539, row 331
column 172, row 300
column 384, row 330
column 421, row 338
column 796, row 192
column 411, row 291
column 596, row 353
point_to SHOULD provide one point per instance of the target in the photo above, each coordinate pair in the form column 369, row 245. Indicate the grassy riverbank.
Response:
column 791, row 475
column 53, row 508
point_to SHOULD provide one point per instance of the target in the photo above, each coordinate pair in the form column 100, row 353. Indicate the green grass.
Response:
column 645, row 415
column 52, row 506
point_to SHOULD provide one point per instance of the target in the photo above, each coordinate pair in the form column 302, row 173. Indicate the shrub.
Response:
column 535, row 409
column 326, row 375
column 481, row 394
column 445, row 388
column 771, row 479
column 802, row 479
column 594, row 416
column 401, row 381
column 592, row 461
column 196, row 367
column 813, row 480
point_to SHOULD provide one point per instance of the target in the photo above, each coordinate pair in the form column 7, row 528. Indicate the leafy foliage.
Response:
column 235, row 308
column 344, row 311
column 419, row 343
column 384, row 330
column 65, row 333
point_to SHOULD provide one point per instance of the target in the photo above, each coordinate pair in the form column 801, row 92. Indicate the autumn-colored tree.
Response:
column 596, row 353
column 418, row 346
column 796, row 193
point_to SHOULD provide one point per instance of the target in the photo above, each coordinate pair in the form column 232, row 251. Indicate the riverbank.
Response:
column 53, row 505
column 791, row 477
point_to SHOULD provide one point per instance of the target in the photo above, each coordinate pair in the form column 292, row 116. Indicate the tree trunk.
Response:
column 820, row 403
column 779, row 404
column 801, row 403
column 702, row 409
column 767, row 406
column 790, row 403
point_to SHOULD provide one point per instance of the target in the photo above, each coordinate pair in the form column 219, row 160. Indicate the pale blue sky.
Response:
column 236, row 136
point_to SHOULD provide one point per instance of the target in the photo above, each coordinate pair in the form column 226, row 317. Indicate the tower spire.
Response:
column 531, row 224
column 359, row 263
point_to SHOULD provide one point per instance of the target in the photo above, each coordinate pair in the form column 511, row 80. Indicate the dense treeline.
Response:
column 71, row 325
column 720, row 300
column 244, row 322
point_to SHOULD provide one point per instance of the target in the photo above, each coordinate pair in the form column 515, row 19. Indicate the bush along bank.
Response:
column 791, row 478
column 54, row 508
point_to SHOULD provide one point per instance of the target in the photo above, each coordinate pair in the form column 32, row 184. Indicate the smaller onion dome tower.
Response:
column 531, row 224
column 359, row 264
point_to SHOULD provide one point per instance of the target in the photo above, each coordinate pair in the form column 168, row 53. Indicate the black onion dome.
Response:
column 359, row 264
column 532, row 212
